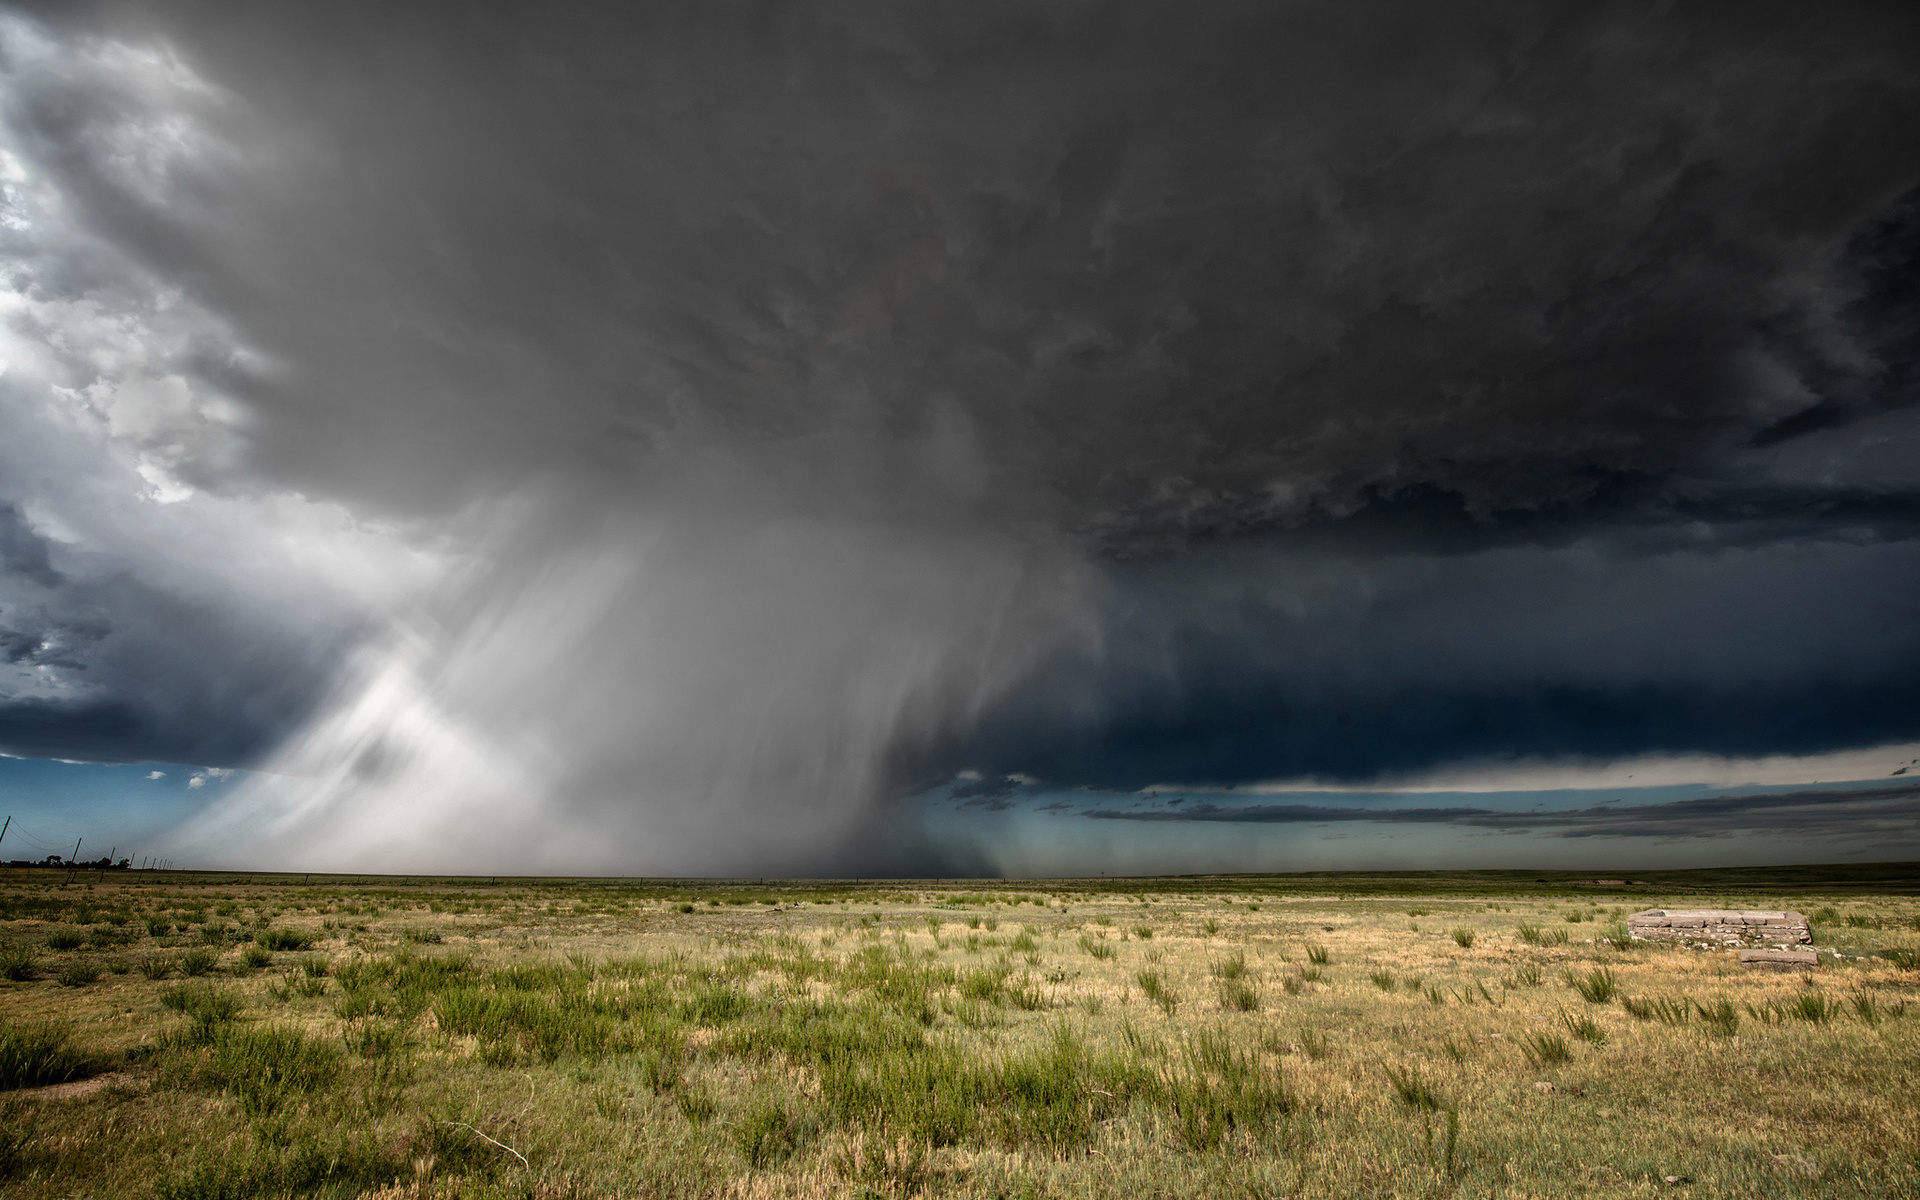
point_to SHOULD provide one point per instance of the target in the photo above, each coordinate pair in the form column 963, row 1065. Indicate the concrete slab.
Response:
column 1779, row 960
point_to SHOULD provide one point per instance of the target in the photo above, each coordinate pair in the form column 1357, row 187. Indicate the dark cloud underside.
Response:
column 1878, row 812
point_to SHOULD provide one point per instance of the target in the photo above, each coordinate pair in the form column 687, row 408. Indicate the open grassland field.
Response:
column 229, row 1036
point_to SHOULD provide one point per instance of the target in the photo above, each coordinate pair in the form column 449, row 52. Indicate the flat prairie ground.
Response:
column 231, row 1036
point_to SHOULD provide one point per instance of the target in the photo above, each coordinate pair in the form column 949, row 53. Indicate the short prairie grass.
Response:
column 568, row 1040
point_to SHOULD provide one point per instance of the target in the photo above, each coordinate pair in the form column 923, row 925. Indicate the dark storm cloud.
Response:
column 1313, row 388
column 1879, row 812
column 990, row 795
column 170, row 677
column 1289, row 814
column 1166, row 273
column 24, row 552
column 102, row 665
column 1231, row 668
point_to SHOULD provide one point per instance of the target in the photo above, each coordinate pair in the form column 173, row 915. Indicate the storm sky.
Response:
column 749, row 438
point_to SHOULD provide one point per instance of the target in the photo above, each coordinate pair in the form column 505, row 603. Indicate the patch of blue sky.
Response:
column 124, row 808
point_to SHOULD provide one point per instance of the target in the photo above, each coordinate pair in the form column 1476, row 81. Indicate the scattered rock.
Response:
column 1672, row 1180
column 1798, row 1164
column 1544, row 1088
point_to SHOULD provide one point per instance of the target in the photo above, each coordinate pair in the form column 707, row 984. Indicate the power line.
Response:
column 38, row 843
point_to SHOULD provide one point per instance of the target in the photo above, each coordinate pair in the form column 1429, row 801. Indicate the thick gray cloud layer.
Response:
column 816, row 400
column 1144, row 273
column 1891, row 814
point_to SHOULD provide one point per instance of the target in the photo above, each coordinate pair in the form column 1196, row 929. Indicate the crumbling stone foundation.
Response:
column 1719, row 927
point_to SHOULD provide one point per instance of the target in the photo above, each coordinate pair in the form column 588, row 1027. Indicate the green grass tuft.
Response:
column 1239, row 996
column 1313, row 1043
column 1155, row 989
column 1544, row 1049
column 262, row 1067
column 19, row 962
column 1668, row 1010
column 768, row 1133
column 1097, row 947
column 1221, row 1092
column 39, row 1054
column 1597, row 986
column 1231, row 967
column 207, row 1008
column 1719, row 1018
column 1413, row 1090
column 80, row 973
column 1811, row 1006
column 1584, row 1027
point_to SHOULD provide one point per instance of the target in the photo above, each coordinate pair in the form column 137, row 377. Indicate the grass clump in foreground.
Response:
column 38, row 1054
column 18, row 962
column 1180, row 1038
column 1545, row 1049
column 1597, row 986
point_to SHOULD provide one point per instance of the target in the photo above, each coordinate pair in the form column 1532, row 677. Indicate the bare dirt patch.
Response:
column 77, row 1089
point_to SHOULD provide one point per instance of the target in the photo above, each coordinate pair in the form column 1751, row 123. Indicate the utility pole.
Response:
column 4, row 828
column 72, row 863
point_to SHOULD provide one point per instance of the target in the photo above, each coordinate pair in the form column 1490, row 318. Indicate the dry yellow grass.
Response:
column 1172, row 1039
